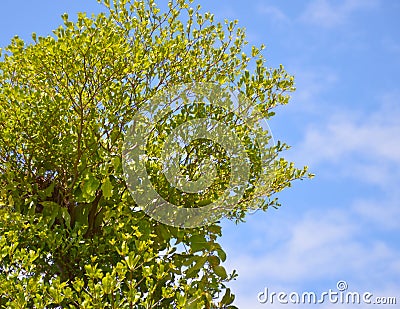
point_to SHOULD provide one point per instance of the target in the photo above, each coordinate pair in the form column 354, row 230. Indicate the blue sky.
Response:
column 343, row 121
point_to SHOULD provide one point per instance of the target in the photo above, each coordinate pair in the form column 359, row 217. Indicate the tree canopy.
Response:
column 72, row 231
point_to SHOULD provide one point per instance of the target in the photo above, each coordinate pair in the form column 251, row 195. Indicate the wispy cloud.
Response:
column 330, row 14
column 383, row 213
column 361, row 145
column 311, row 84
column 273, row 13
column 344, row 136
column 319, row 246
column 352, row 242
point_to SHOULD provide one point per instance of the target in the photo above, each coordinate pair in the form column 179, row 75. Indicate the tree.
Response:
column 72, row 234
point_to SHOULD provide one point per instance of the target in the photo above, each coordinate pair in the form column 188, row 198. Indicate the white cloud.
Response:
column 272, row 12
column 310, row 85
column 356, row 144
column 350, row 242
column 330, row 14
column 384, row 213
column 319, row 246
column 344, row 136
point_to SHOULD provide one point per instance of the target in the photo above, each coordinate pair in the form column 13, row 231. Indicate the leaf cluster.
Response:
column 71, row 236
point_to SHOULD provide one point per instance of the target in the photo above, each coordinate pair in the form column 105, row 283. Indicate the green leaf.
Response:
column 228, row 298
column 198, row 243
column 66, row 216
column 220, row 271
column 81, row 214
column 107, row 188
column 199, row 263
column 47, row 192
column 213, row 260
column 90, row 186
column 50, row 211
column 221, row 253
